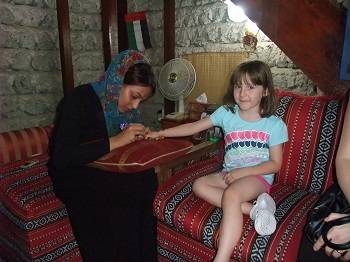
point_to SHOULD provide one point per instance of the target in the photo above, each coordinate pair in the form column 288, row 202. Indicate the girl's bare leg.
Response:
column 210, row 188
column 246, row 207
column 237, row 193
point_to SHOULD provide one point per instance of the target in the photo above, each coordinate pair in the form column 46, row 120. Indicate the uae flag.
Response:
column 138, row 34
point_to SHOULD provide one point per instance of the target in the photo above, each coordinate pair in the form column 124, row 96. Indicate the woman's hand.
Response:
column 337, row 234
column 133, row 132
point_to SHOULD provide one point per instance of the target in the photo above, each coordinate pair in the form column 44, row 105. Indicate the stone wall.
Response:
column 30, row 76
column 30, row 80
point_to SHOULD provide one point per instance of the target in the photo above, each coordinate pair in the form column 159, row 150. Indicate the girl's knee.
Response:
column 231, row 194
column 197, row 186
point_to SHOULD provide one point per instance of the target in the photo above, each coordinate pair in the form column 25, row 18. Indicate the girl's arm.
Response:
column 268, row 167
column 182, row 130
column 342, row 162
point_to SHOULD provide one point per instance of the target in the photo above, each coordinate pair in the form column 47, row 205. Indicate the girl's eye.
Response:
column 236, row 86
column 251, row 87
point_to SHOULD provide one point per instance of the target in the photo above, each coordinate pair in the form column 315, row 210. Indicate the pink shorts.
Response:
column 260, row 178
column 264, row 182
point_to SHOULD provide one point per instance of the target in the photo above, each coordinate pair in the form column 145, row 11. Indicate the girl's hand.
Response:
column 154, row 135
column 233, row 175
column 338, row 234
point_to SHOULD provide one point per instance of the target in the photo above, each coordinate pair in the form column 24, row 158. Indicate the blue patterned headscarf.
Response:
column 108, row 90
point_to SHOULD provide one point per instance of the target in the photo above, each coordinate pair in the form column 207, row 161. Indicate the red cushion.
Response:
column 24, row 143
column 142, row 155
column 314, row 126
column 33, row 221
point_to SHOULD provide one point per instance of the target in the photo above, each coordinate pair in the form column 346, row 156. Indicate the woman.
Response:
column 341, row 233
column 111, row 214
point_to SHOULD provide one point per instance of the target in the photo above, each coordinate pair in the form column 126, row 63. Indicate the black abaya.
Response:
column 110, row 213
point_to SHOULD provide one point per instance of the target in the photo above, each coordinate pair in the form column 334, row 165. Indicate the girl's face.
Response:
column 131, row 96
column 248, row 96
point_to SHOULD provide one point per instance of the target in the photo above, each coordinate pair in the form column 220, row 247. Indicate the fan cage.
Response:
column 177, row 79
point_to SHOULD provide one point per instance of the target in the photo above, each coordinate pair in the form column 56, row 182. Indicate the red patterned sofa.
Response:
column 34, row 225
column 188, row 226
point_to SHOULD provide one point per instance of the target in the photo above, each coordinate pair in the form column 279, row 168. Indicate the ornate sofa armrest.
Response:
column 197, row 152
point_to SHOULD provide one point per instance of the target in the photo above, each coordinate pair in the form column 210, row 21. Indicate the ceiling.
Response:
column 310, row 32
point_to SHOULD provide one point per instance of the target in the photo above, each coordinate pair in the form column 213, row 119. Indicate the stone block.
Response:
column 6, row 83
column 15, row 59
column 33, row 105
column 37, row 3
column 28, row 38
column 22, row 84
column 47, row 83
column 89, row 61
column 85, row 6
column 84, row 77
column 9, row 107
column 86, row 40
column 45, row 61
column 155, row 20
column 85, row 22
column 28, row 16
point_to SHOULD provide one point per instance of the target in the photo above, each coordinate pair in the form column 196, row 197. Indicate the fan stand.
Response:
column 179, row 110
column 180, row 105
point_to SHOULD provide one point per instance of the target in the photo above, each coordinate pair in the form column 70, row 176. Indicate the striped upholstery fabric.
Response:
column 188, row 226
column 34, row 225
column 23, row 144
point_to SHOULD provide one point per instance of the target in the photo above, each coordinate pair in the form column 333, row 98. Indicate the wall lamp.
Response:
column 235, row 13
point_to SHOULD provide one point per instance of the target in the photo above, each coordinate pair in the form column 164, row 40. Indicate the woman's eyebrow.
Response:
column 139, row 95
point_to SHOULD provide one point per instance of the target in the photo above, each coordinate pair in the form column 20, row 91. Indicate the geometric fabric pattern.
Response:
column 314, row 127
column 34, row 225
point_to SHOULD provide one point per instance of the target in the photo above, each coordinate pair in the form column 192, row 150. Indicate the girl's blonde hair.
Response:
column 259, row 73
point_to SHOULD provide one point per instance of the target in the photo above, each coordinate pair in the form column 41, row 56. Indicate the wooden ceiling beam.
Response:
column 309, row 32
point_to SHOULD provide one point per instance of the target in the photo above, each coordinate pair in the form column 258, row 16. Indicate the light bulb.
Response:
column 235, row 13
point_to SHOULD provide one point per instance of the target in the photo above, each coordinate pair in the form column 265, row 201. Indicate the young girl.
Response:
column 253, row 153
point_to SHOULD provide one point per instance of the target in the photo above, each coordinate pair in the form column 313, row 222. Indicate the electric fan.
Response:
column 176, row 81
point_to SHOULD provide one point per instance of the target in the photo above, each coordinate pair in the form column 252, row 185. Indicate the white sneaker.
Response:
column 264, row 201
column 265, row 222
column 263, row 215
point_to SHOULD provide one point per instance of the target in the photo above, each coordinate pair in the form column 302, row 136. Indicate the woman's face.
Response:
column 131, row 96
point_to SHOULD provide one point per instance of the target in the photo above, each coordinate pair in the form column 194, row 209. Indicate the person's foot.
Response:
column 263, row 215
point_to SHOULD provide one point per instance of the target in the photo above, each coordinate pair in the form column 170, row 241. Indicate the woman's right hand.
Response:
column 338, row 234
column 133, row 132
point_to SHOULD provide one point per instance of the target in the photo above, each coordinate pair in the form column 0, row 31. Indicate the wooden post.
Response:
column 65, row 45
column 112, row 12
column 169, row 43
column 122, row 10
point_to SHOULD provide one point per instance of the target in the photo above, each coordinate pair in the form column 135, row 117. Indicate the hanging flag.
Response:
column 138, row 34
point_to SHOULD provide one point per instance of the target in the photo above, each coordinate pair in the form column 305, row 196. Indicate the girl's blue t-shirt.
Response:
column 248, row 143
